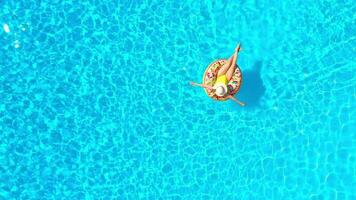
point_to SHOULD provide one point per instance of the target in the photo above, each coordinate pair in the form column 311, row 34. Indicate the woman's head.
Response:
column 220, row 91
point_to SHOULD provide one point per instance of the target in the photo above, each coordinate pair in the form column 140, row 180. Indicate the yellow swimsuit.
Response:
column 222, row 80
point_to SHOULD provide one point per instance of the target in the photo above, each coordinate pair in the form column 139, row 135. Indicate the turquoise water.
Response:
column 95, row 100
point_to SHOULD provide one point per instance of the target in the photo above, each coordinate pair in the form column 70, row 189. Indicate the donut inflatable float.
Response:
column 210, row 76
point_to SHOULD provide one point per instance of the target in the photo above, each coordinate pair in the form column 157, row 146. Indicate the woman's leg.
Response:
column 232, row 68
column 226, row 66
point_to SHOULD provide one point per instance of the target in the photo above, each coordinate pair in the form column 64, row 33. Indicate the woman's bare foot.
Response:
column 238, row 48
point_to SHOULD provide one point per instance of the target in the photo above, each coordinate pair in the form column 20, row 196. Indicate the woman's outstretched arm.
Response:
column 237, row 101
column 201, row 85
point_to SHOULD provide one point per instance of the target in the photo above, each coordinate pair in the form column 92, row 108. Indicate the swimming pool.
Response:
column 95, row 100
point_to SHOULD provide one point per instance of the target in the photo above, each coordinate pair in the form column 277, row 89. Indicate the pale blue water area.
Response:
column 95, row 100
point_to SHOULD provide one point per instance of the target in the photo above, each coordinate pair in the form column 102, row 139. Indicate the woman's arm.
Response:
column 201, row 85
column 237, row 101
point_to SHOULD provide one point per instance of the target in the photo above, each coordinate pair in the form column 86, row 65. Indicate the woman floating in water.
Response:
column 228, row 79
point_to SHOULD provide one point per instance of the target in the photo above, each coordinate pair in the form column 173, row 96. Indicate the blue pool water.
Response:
column 95, row 100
